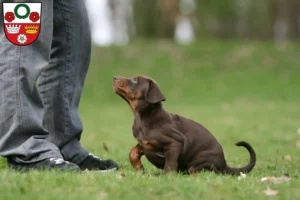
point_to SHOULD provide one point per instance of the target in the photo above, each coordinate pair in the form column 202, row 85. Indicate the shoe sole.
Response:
column 29, row 169
column 107, row 171
column 24, row 168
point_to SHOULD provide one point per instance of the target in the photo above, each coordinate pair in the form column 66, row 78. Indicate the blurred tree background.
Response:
column 186, row 20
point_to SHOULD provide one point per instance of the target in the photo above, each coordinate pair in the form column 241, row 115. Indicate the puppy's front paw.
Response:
column 139, row 168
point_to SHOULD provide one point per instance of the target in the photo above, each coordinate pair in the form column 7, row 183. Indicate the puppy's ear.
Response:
column 154, row 94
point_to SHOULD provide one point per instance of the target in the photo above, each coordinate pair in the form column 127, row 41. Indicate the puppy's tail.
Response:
column 249, row 166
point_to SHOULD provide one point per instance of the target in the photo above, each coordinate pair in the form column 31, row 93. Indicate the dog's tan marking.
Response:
column 151, row 144
column 133, row 99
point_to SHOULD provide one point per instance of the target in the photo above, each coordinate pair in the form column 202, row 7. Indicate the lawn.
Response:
column 238, row 90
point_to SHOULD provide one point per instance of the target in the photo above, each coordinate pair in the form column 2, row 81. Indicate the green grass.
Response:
column 238, row 90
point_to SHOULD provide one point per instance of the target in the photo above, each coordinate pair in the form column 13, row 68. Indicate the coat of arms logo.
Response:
column 22, row 22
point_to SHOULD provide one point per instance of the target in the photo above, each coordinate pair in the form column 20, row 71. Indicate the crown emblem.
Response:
column 31, row 29
column 13, row 29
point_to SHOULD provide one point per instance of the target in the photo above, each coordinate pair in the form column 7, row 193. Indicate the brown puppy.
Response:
column 169, row 141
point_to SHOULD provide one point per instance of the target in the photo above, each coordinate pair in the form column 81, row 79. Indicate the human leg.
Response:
column 61, row 83
column 22, row 135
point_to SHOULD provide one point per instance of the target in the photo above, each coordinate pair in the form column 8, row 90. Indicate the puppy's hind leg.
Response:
column 202, row 167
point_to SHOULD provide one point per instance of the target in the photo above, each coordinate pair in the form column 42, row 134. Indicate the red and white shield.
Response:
column 22, row 22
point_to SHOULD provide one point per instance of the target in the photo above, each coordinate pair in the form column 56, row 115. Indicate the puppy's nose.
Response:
column 115, row 78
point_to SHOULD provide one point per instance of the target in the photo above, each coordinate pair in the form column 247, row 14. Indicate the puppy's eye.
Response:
column 135, row 80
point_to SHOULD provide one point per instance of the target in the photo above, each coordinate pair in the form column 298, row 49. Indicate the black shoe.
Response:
column 95, row 163
column 46, row 164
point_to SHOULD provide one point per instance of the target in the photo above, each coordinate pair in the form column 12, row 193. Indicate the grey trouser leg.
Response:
column 22, row 135
column 61, row 83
